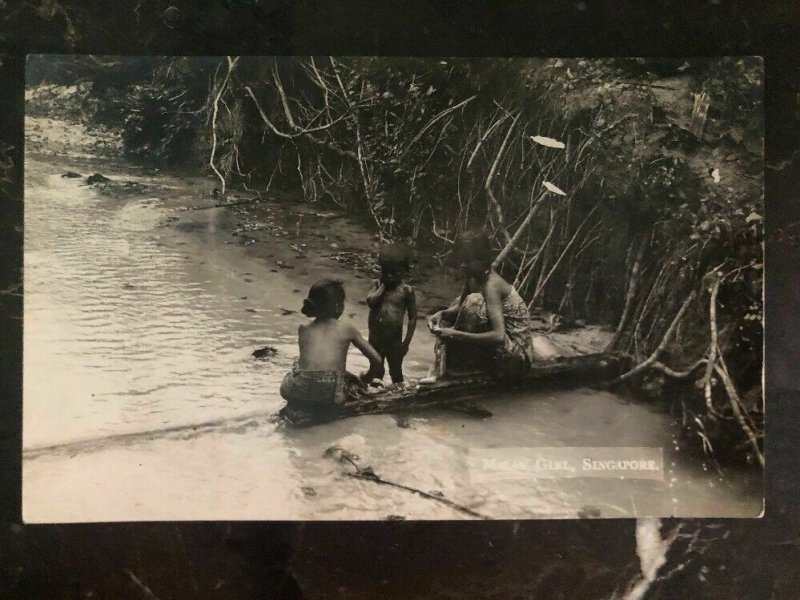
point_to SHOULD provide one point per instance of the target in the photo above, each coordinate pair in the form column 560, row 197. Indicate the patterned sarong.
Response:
column 510, row 359
column 318, row 389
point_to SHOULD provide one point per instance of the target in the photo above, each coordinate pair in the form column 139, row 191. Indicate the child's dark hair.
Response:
column 395, row 257
column 474, row 249
column 325, row 300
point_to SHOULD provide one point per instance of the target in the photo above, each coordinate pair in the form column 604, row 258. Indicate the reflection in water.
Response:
column 141, row 399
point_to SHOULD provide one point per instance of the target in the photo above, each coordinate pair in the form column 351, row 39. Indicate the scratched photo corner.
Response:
column 371, row 288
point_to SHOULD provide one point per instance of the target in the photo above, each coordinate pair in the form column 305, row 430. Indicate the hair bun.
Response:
column 309, row 308
column 325, row 300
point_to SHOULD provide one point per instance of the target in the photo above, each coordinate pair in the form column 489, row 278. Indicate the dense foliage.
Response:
column 621, row 191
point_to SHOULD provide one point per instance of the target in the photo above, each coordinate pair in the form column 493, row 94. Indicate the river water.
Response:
column 142, row 400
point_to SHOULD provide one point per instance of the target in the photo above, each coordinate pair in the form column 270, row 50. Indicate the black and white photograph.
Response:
column 365, row 288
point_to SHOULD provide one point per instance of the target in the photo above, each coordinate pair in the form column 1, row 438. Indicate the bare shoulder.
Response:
column 408, row 290
column 303, row 335
column 497, row 287
column 348, row 330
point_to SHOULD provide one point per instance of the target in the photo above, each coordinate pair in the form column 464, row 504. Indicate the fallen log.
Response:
column 573, row 371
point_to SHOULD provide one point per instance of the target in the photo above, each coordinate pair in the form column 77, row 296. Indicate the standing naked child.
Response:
column 390, row 299
column 319, row 378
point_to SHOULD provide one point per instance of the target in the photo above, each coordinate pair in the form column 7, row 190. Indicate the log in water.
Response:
column 573, row 371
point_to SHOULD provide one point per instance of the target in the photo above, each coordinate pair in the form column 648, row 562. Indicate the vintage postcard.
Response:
column 371, row 288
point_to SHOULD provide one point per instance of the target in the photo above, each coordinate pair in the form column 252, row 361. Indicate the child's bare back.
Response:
column 324, row 344
column 319, row 377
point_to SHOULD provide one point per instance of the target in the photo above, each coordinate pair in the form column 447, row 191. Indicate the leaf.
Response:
column 753, row 216
column 553, row 188
column 546, row 141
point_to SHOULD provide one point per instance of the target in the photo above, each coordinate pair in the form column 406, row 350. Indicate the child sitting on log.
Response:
column 319, row 379
column 390, row 299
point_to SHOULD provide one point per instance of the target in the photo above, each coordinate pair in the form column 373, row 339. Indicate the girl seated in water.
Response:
column 319, row 377
column 488, row 326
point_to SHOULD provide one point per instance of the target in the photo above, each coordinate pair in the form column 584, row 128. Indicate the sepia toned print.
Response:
column 533, row 255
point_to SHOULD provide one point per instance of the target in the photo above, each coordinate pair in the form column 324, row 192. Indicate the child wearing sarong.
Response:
column 488, row 327
column 319, row 379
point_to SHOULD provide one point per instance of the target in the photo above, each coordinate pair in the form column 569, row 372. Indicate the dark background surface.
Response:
column 537, row 559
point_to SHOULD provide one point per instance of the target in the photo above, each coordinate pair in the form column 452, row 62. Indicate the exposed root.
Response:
column 736, row 405
column 660, row 348
column 712, row 351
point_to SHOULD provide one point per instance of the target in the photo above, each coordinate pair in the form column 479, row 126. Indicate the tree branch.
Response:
column 486, row 134
column 540, row 287
column 220, row 91
column 534, row 210
column 659, row 366
column 288, row 112
column 493, row 203
column 654, row 356
column 633, row 283
column 441, row 115
column 292, row 136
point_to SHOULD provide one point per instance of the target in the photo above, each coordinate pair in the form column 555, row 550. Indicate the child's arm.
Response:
column 375, row 294
column 376, row 369
column 411, row 309
column 448, row 314
column 494, row 314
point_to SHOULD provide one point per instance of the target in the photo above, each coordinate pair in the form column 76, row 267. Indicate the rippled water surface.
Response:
column 142, row 400
column 125, row 331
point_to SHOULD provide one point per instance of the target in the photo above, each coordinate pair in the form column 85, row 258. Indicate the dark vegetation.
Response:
column 626, row 192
